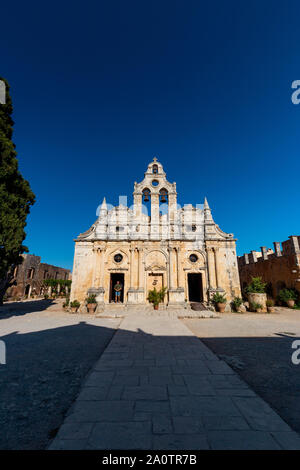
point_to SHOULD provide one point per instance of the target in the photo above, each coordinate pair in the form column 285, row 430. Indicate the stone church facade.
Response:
column 155, row 243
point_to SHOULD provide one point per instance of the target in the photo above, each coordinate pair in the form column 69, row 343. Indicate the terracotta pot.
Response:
column 270, row 309
column 91, row 308
column 74, row 309
column 290, row 303
column 221, row 307
column 155, row 307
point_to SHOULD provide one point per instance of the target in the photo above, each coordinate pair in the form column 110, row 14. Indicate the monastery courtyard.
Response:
column 145, row 381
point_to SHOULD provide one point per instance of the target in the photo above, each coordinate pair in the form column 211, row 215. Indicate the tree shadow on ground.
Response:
column 45, row 370
column 12, row 309
column 41, row 379
column 265, row 363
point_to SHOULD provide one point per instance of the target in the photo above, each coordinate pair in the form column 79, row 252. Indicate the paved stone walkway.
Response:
column 157, row 386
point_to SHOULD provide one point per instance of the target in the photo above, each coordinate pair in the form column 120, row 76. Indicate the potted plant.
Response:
column 270, row 305
column 74, row 306
column 155, row 297
column 256, row 292
column 236, row 304
column 66, row 303
column 220, row 301
column 91, row 303
column 288, row 296
column 256, row 307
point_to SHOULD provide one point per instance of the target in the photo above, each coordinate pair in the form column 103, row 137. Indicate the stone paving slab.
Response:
column 157, row 386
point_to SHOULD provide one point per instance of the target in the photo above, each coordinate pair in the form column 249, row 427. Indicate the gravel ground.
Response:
column 258, row 347
column 49, row 352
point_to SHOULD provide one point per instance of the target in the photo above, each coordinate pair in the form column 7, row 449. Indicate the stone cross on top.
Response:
column 155, row 159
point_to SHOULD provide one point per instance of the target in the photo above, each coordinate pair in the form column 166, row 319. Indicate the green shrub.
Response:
column 75, row 304
column 236, row 303
column 219, row 298
column 155, row 296
column 256, row 286
column 91, row 299
column 287, row 294
column 254, row 306
column 270, row 303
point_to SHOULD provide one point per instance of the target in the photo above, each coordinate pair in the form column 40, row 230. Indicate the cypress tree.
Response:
column 16, row 198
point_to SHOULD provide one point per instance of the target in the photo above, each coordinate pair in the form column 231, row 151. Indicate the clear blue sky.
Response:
column 99, row 88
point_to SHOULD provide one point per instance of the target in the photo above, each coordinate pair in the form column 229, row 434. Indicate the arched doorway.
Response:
column 195, row 286
column 27, row 290
column 114, row 278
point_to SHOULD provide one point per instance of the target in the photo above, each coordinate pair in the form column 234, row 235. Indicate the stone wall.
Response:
column 279, row 268
column 30, row 275
column 149, row 264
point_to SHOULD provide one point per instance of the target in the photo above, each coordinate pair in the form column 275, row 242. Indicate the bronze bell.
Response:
column 163, row 198
column 146, row 194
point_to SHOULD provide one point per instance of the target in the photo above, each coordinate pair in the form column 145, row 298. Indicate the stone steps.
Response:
column 126, row 311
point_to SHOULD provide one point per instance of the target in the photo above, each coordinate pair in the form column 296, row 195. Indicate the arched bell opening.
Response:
column 146, row 201
column 163, row 201
column 154, row 169
column 163, row 196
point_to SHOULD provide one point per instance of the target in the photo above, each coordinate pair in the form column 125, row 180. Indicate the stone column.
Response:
column 141, row 270
column 99, row 290
column 97, row 266
column 101, row 277
column 131, row 266
column 177, row 266
column 216, row 250
column 176, row 293
column 137, row 205
column 181, row 277
column 211, row 268
column 154, row 216
column 95, row 254
column 171, row 283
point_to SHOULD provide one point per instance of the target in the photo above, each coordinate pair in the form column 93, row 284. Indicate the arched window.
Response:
column 155, row 169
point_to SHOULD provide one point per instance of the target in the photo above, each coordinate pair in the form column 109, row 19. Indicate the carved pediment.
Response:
column 155, row 267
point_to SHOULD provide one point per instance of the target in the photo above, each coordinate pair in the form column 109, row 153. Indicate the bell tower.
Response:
column 156, row 189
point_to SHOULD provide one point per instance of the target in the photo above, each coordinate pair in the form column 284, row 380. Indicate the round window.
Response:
column 155, row 183
column 193, row 258
column 118, row 258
